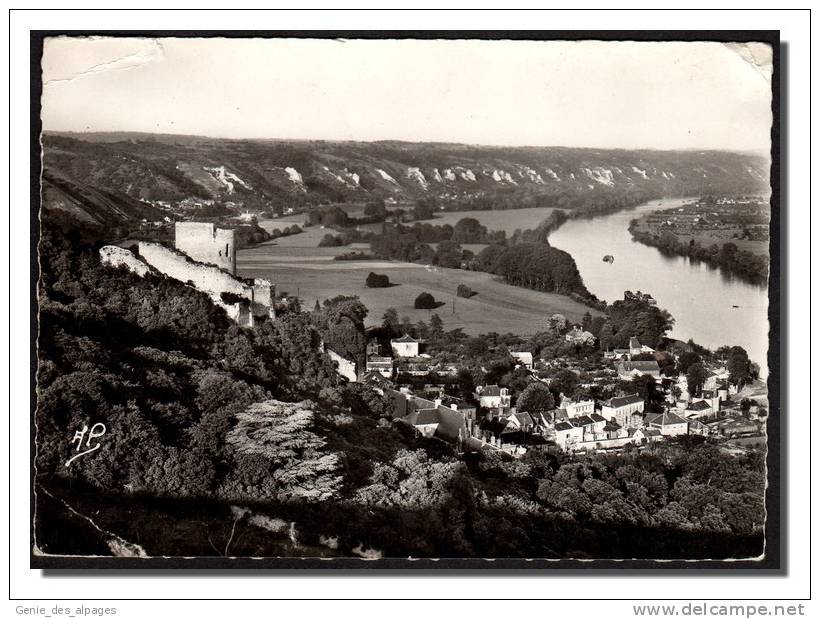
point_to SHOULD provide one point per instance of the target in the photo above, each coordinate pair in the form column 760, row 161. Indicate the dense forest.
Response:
column 217, row 435
column 534, row 265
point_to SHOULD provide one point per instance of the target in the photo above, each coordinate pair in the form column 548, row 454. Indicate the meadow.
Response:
column 507, row 220
column 300, row 268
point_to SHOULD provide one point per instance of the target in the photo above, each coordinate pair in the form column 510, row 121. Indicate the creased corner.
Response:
column 150, row 51
column 757, row 55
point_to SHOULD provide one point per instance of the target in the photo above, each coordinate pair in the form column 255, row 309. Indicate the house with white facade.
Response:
column 641, row 436
column 715, row 378
column 712, row 398
column 523, row 358
column 425, row 421
column 623, row 409
column 702, row 409
column 567, row 435
column 636, row 348
column 668, row 423
column 382, row 365
column 493, row 396
column 627, row 370
column 578, row 408
column 457, row 404
column 405, row 346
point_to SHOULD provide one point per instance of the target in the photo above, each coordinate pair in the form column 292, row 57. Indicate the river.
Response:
column 700, row 298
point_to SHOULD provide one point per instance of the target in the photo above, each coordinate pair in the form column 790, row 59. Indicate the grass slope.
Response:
column 297, row 266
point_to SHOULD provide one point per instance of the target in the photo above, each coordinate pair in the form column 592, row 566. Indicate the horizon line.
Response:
column 405, row 141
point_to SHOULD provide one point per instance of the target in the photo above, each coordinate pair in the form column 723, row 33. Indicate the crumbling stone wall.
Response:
column 344, row 367
column 118, row 256
column 204, row 242
column 257, row 297
column 259, row 294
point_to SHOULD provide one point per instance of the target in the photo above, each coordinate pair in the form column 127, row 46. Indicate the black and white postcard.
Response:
column 367, row 299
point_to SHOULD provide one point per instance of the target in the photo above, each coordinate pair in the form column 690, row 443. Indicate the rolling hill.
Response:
column 113, row 177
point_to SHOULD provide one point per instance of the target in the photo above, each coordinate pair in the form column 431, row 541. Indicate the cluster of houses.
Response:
column 403, row 357
column 492, row 422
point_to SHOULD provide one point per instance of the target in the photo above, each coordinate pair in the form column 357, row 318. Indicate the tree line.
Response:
column 531, row 263
column 748, row 266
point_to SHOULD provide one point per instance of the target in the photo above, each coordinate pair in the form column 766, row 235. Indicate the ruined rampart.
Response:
column 243, row 300
column 206, row 243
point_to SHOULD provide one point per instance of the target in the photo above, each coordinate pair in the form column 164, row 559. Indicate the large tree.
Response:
column 739, row 366
column 436, row 326
column 341, row 324
column 279, row 456
column 637, row 315
column 390, row 320
column 469, row 230
column 687, row 359
column 425, row 301
column 564, row 382
column 695, row 377
column 647, row 388
column 536, row 398
column 423, row 209
column 448, row 255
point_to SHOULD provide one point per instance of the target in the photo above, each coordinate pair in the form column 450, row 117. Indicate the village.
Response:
column 491, row 420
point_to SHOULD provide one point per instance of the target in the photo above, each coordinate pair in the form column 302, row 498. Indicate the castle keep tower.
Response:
column 204, row 242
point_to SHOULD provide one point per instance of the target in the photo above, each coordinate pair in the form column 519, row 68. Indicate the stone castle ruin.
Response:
column 204, row 242
column 205, row 258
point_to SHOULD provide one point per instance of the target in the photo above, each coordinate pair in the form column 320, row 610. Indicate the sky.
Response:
column 660, row 95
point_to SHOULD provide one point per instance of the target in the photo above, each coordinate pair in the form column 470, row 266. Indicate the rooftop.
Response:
column 449, row 400
column 641, row 366
column 491, row 390
column 375, row 377
column 701, row 405
column 665, row 419
column 624, row 400
column 524, row 419
column 426, row 416
column 405, row 339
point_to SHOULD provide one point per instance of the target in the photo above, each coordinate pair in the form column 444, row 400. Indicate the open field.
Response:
column 744, row 223
column 355, row 209
column 707, row 240
column 507, row 220
column 305, row 245
column 282, row 222
column 297, row 266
